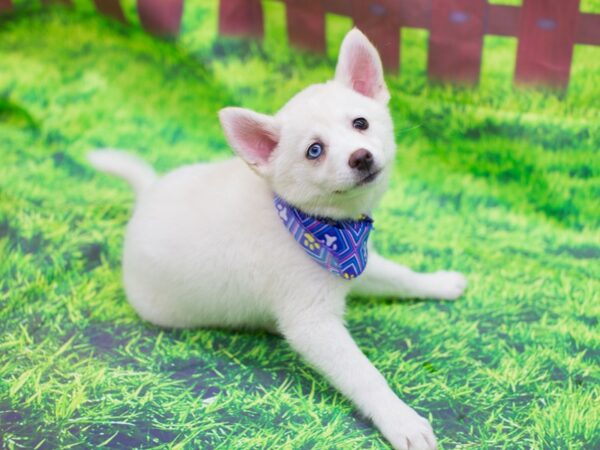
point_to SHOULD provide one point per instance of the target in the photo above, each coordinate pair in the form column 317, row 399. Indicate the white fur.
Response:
column 137, row 172
column 205, row 246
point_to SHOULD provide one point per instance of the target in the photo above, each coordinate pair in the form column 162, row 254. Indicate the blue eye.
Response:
column 314, row 151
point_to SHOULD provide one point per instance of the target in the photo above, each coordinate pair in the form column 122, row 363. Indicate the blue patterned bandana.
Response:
column 340, row 246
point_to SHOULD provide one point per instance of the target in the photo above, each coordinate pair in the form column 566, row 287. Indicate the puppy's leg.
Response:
column 387, row 279
column 321, row 338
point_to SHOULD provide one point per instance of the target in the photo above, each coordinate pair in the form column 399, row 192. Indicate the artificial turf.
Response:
column 501, row 184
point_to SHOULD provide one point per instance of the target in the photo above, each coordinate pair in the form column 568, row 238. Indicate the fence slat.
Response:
column 161, row 17
column 5, row 6
column 111, row 8
column 241, row 18
column 306, row 24
column 588, row 29
column 456, row 40
column 341, row 7
column 503, row 20
column 546, row 38
column 414, row 13
column 376, row 20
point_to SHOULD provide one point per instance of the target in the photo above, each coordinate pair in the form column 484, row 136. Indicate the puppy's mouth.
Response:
column 368, row 178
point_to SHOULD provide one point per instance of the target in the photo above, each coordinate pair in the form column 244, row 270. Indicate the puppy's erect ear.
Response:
column 359, row 67
column 253, row 136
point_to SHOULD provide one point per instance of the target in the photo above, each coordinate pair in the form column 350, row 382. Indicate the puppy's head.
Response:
column 330, row 149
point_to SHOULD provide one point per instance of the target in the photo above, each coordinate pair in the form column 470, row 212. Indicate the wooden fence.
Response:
column 546, row 31
column 159, row 17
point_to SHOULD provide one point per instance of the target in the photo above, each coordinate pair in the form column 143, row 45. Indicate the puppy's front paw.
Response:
column 447, row 285
column 406, row 430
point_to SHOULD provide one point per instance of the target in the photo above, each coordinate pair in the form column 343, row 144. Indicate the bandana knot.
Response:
column 340, row 246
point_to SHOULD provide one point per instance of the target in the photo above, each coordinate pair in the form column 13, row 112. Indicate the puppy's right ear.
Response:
column 253, row 136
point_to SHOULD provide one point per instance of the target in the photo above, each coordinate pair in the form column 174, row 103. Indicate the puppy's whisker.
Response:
column 405, row 130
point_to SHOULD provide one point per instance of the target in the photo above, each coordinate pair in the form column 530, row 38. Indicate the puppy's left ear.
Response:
column 252, row 135
column 359, row 67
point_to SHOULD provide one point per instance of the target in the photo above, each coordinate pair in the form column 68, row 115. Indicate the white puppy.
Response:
column 206, row 246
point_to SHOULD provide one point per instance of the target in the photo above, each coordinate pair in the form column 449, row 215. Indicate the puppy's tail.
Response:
column 137, row 172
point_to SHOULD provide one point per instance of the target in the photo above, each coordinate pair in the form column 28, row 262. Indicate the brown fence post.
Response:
column 241, row 18
column 5, row 6
column 161, row 17
column 111, row 8
column 546, row 37
column 456, row 40
column 588, row 29
column 306, row 24
column 378, row 19
column 341, row 7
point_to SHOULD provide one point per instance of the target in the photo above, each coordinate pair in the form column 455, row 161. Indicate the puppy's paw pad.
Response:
column 448, row 285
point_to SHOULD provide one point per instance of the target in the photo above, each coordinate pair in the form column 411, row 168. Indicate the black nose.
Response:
column 361, row 160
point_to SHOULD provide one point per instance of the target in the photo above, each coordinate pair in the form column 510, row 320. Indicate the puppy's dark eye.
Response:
column 314, row 151
column 360, row 123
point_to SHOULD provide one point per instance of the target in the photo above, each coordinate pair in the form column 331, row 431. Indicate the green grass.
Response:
column 501, row 184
